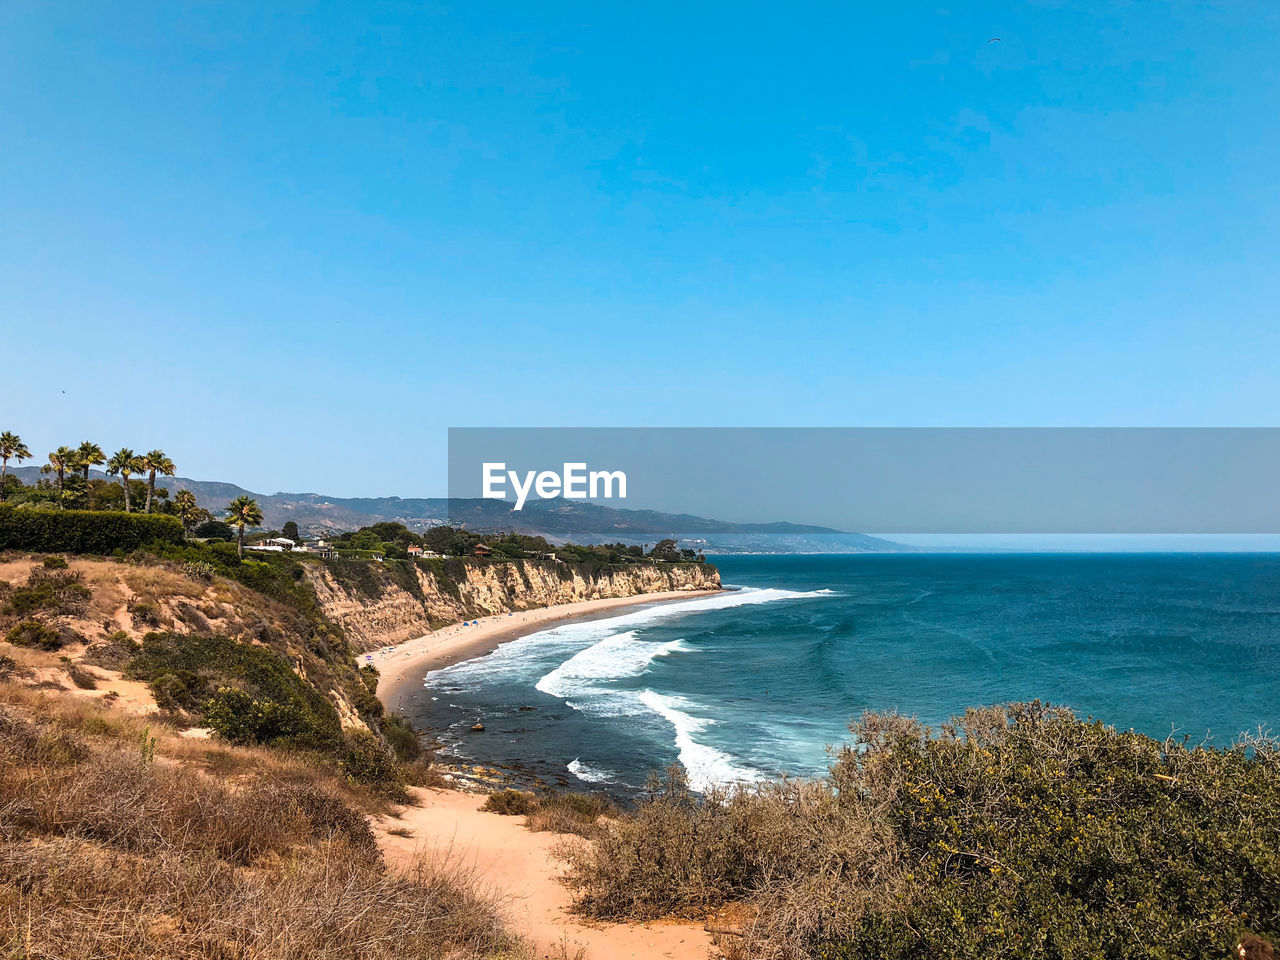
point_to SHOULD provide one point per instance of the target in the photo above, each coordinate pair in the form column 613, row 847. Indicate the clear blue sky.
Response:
column 291, row 244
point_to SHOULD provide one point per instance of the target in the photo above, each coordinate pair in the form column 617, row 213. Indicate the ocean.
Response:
column 762, row 680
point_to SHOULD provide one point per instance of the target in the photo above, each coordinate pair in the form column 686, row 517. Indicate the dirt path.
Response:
column 519, row 865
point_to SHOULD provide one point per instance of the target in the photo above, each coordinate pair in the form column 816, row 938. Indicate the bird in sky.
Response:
column 994, row 40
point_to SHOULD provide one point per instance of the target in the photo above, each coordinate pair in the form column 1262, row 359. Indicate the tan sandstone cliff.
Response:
column 379, row 604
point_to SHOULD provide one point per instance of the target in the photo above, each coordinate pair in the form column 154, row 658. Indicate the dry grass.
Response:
column 105, row 724
column 153, row 583
column 686, row 855
column 67, row 901
column 577, row 813
column 105, row 852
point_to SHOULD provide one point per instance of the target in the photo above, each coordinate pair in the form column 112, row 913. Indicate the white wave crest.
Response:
column 589, row 774
column 705, row 765
column 518, row 659
column 613, row 657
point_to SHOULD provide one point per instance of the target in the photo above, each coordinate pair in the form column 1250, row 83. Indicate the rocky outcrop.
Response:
column 378, row 604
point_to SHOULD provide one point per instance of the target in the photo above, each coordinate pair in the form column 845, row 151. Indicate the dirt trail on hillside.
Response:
column 519, row 865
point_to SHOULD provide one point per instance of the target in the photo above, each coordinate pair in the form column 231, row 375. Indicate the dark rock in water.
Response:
column 528, row 708
column 478, row 728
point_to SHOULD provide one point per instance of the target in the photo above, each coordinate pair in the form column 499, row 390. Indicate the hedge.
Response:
column 83, row 531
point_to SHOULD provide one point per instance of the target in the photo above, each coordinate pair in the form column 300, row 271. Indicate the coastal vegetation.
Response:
column 11, row 448
column 454, row 541
column 555, row 811
column 83, row 531
column 120, row 838
column 243, row 512
column 392, row 540
column 1019, row 831
column 240, row 647
column 68, row 485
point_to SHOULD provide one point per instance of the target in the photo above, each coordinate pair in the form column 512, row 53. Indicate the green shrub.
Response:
column 180, row 690
column 33, row 633
column 511, row 803
column 237, row 717
column 201, row 570
column 214, row 530
column 401, row 737
column 83, row 531
column 365, row 761
column 142, row 613
column 114, row 652
column 55, row 563
column 1018, row 832
column 256, row 698
column 48, row 591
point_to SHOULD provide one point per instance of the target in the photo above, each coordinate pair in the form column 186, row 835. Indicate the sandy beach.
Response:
column 403, row 667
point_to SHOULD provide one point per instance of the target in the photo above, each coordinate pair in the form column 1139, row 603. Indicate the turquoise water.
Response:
column 761, row 680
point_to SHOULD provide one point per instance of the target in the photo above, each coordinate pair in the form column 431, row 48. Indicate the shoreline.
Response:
column 404, row 667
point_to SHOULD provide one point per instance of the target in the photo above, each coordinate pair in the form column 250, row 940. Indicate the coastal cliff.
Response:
column 383, row 603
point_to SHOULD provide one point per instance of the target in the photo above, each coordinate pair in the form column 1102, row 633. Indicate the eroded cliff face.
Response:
column 379, row 604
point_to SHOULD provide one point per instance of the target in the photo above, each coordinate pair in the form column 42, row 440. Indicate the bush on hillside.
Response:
column 1019, row 831
column 47, row 591
column 246, row 692
column 33, row 633
column 401, row 738
column 114, row 652
column 83, row 531
column 511, row 803
column 237, row 717
column 578, row 813
column 366, row 761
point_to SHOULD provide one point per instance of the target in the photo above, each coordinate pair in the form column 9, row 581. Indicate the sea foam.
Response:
column 589, row 774
column 590, row 659
column 515, row 660
column 706, row 766
column 612, row 658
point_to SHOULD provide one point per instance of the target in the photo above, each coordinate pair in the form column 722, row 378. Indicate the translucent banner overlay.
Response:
column 910, row 480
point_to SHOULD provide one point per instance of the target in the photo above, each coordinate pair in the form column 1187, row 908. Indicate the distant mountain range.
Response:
column 557, row 520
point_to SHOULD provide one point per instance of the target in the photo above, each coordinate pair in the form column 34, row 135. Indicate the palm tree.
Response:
column 60, row 461
column 189, row 512
column 155, row 462
column 90, row 455
column 122, row 463
column 243, row 512
column 11, row 445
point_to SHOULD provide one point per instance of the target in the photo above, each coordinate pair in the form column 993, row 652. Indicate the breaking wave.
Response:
column 705, row 765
